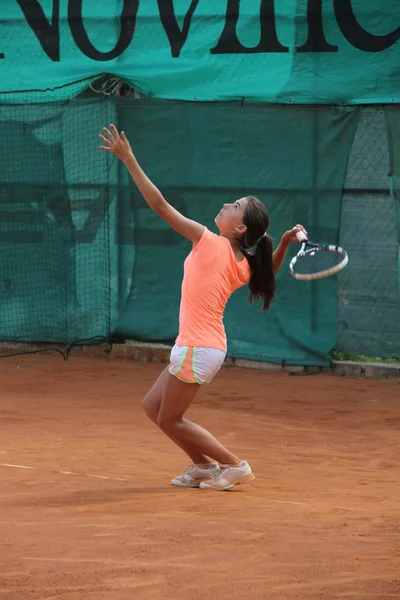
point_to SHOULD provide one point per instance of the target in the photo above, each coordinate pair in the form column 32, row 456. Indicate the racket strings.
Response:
column 317, row 261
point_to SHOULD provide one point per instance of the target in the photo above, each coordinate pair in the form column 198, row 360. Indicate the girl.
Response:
column 214, row 269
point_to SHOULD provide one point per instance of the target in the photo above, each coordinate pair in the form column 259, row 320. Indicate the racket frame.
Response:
column 308, row 247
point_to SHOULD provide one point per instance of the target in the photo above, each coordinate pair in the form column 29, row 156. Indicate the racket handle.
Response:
column 301, row 236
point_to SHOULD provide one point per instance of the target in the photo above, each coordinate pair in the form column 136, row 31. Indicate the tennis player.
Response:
column 242, row 254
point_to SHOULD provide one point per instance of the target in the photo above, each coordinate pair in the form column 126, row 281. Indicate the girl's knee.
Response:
column 150, row 408
column 167, row 423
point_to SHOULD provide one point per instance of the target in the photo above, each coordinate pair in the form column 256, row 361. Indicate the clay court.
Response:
column 87, row 512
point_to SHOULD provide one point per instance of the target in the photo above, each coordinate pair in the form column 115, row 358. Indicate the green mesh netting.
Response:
column 55, row 217
column 83, row 256
column 393, row 122
column 369, row 308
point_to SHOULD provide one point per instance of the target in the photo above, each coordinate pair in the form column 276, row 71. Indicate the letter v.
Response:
column 176, row 36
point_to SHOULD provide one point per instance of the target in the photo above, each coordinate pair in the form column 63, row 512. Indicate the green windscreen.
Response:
column 274, row 51
column 203, row 155
column 83, row 257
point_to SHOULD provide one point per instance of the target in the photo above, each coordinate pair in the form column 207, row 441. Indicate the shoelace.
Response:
column 215, row 471
column 189, row 469
column 219, row 473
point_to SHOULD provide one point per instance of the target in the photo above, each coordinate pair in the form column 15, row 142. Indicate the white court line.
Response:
column 63, row 472
column 312, row 505
column 319, row 506
column 292, row 502
column 16, row 466
column 287, row 502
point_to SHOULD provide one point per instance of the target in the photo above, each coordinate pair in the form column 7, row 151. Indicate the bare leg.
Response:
column 151, row 406
column 152, row 400
column 176, row 399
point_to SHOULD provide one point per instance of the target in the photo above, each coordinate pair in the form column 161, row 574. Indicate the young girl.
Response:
column 214, row 269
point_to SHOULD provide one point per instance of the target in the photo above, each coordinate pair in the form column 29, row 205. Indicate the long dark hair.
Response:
column 262, row 281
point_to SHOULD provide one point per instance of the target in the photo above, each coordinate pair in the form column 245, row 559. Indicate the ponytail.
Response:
column 262, row 280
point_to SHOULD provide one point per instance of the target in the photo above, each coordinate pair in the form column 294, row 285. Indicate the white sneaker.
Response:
column 195, row 474
column 228, row 477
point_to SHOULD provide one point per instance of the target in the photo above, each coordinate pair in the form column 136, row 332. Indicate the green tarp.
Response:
column 281, row 51
column 83, row 255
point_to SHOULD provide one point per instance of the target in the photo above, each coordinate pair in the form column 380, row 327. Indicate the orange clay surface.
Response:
column 93, row 516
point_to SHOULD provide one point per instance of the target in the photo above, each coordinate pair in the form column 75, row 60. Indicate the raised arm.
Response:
column 118, row 145
column 279, row 254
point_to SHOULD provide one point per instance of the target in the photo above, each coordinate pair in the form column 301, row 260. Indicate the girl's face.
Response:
column 230, row 217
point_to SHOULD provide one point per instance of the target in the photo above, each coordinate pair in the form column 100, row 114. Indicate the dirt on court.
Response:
column 87, row 512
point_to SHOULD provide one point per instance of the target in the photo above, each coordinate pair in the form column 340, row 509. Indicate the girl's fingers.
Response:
column 114, row 130
column 106, row 140
column 110, row 135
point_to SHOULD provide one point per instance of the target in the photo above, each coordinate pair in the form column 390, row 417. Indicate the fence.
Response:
column 369, row 306
column 83, row 257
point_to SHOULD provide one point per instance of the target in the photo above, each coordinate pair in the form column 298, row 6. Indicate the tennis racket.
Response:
column 314, row 261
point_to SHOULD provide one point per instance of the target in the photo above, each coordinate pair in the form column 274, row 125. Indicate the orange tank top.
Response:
column 211, row 275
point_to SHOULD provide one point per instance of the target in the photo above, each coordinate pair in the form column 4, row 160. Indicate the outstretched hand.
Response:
column 116, row 143
column 291, row 235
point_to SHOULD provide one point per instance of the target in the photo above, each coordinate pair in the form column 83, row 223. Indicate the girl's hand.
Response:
column 116, row 143
column 290, row 236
